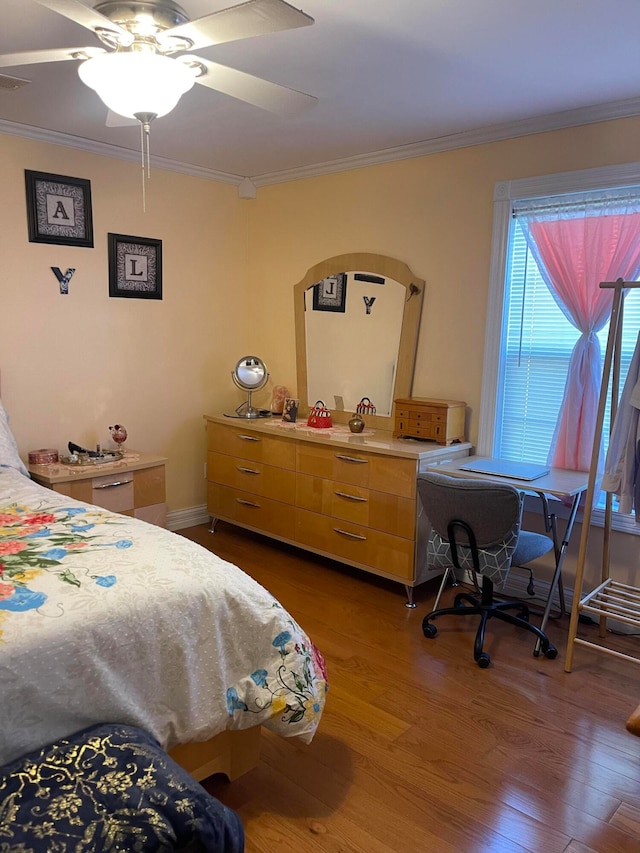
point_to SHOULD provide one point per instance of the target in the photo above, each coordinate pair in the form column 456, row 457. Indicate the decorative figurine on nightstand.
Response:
column 118, row 434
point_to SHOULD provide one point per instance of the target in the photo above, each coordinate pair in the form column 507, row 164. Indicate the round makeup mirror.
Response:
column 250, row 374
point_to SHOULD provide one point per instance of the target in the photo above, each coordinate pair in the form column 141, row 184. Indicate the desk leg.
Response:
column 560, row 551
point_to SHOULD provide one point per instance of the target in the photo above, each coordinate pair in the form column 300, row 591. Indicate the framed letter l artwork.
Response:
column 135, row 267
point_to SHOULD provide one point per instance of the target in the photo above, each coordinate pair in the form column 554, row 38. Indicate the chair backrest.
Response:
column 492, row 511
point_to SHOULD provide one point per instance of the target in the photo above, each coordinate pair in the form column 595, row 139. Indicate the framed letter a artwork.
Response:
column 135, row 267
column 59, row 209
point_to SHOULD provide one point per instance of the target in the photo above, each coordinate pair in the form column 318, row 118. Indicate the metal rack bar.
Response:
column 610, row 599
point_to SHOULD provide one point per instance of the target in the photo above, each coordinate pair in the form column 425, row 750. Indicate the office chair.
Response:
column 476, row 526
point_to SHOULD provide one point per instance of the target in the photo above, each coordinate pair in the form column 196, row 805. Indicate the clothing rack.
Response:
column 610, row 599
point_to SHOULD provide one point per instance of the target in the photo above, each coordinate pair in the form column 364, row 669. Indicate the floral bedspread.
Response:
column 104, row 618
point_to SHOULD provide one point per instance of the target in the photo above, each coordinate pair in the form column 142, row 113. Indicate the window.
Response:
column 529, row 339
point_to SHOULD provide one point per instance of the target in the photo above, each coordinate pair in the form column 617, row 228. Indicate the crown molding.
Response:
column 56, row 138
column 494, row 133
column 464, row 139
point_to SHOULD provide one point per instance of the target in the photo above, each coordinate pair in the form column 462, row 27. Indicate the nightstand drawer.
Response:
column 113, row 491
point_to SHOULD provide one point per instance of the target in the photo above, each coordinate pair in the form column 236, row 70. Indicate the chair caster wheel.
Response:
column 429, row 630
column 551, row 652
column 483, row 660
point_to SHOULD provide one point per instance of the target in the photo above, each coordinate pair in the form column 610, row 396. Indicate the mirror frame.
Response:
column 388, row 268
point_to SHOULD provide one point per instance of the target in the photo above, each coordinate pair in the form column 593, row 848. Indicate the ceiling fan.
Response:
column 145, row 66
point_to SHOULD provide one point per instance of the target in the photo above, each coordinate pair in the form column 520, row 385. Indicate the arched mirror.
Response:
column 250, row 374
column 357, row 318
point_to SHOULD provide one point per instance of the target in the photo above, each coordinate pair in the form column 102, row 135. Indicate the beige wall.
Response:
column 74, row 364
column 71, row 365
column 434, row 213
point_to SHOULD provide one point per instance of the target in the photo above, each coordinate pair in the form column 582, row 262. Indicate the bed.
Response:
column 108, row 619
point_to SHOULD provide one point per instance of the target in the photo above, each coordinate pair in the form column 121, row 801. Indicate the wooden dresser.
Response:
column 352, row 498
column 134, row 486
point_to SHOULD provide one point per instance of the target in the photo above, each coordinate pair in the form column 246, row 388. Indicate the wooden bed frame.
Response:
column 233, row 753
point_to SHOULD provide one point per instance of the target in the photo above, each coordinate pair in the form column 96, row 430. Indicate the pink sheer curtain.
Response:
column 574, row 255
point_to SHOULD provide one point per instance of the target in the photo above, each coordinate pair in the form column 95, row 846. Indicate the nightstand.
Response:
column 133, row 486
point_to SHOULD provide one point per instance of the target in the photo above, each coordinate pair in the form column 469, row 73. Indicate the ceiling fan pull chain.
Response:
column 145, row 156
column 147, row 132
column 144, row 189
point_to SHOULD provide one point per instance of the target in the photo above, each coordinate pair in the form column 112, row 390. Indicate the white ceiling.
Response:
column 388, row 74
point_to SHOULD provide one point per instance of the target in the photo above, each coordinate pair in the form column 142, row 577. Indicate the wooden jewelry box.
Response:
column 442, row 421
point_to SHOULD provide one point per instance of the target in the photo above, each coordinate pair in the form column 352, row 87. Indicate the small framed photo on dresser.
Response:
column 135, row 267
column 290, row 411
column 59, row 209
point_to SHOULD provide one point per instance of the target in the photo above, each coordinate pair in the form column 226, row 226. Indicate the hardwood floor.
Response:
column 421, row 750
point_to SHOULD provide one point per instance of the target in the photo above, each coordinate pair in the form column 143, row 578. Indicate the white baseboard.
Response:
column 189, row 517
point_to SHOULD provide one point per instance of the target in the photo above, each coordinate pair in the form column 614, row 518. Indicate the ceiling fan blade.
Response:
column 60, row 54
column 84, row 15
column 252, row 18
column 254, row 90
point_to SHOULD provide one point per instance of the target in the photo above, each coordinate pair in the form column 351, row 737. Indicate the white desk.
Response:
column 560, row 484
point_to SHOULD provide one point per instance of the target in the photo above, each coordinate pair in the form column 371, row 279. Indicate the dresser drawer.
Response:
column 369, row 470
column 378, row 510
column 246, row 444
column 254, row 477
column 382, row 552
column 261, row 514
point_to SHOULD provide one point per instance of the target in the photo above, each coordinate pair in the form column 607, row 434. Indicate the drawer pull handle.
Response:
column 351, row 459
column 247, row 503
column 350, row 497
column 246, row 470
column 349, row 535
column 248, row 437
column 112, row 485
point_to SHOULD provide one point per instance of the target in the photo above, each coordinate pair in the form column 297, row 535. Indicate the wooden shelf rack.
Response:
column 610, row 599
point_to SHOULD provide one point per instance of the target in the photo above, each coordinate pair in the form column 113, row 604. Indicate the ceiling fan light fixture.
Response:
column 137, row 82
